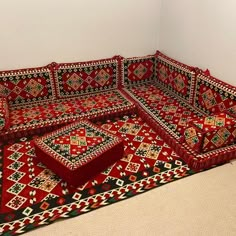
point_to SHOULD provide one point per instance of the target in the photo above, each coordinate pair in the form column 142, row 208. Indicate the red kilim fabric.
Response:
column 27, row 85
column 138, row 70
column 34, row 196
column 4, row 114
column 176, row 77
column 73, row 79
column 67, row 110
column 79, row 151
column 213, row 96
column 211, row 132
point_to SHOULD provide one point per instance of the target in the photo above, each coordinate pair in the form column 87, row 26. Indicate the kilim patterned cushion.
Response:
column 74, row 79
column 137, row 70
column 175, row 76
column 79, row 151
column 4, row 114
column 27, row 85
column 214, row 96
column 211, row 132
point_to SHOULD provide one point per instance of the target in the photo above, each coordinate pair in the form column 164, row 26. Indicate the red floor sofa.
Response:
column 191, row 110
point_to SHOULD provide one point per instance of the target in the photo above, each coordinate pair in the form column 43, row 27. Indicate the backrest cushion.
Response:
column 138, row 70
column 78, row 78
column 175, row 76
column 4, row 114
column 27, row 86
column 213, row 96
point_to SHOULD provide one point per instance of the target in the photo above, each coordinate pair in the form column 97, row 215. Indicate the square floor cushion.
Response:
column 210, row 132
column 79, row 151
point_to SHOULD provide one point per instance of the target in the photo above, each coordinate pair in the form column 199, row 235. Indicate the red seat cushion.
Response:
column 79, row 151
column 211, row 132
column 68, row 110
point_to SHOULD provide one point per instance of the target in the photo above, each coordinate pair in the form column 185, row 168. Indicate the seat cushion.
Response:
column 4, row 114
column 67, row 110
column 210, row 132
column 169, row 112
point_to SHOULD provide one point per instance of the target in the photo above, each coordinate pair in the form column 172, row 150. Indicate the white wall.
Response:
column 37, row 32
column 201, row 33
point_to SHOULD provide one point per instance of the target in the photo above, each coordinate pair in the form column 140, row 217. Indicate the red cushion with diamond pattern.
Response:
column 175, row 76
column 4, row 114
column 74, row 79
column 27, row 85
column 137, row 70
column 214, row 96
column 211, row 132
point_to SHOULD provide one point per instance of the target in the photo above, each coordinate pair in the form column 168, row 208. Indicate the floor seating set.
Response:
column 192, row 111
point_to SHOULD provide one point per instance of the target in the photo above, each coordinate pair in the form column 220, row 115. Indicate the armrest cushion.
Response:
column 211, row 132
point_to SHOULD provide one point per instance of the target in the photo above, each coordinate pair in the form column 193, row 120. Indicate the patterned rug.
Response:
column 32, row 195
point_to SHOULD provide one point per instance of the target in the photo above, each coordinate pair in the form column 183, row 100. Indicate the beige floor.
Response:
column 203, row 204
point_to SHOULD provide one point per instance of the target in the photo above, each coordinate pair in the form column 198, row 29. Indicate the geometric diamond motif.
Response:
column 179, row 82
column 132, row 167
column 140, row 71
column 15, row 156
column 102, row 77
column 208, row 99
column 34, row 88
column 16, row 176
column 16, row 202
column 15, row 147
column 16, row 165
column 74, row 81
column 16, row 188
column 27, row 211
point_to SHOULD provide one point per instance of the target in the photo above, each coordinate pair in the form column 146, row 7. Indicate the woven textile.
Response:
column 79, row 151
column 67, row 110
column 169, row 112
column 73, row 79
column 35, row 196
column 176, row 77
column 4, row 114
column 214, row 96
column 27, row 85
column 211, row 132
column 138, row 70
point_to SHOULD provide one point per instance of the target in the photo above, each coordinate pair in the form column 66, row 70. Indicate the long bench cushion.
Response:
column 169, row 112
column 213, row 96
column 67, row 110
column 175, row 76
column 73, row 79
column 138, row 70
column 27, row 86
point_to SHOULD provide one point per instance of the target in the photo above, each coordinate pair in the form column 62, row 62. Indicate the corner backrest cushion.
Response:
column 78, row 78
column 138, row 70
column 213, row 96
column 27, row 86
column 175, row 77
column 4, row 114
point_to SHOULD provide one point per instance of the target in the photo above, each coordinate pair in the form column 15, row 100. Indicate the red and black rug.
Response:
column 32, row 195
